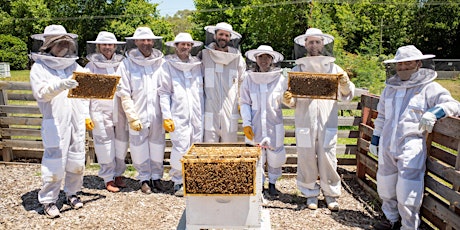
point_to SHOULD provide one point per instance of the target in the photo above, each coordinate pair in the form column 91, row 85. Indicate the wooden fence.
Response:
column 20, row 121
column 441, row 202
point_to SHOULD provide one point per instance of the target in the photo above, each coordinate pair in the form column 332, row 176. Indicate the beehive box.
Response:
column 313, row 85
column 220, row 169
column 94, row 86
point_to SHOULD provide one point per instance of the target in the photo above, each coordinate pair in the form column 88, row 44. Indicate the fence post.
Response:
column 7, row 152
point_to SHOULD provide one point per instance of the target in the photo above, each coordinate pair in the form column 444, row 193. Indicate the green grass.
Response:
column 453, row 86
column 19, row 75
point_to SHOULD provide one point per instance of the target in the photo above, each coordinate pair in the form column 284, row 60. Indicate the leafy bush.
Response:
column 14, row 51
column 365, row 71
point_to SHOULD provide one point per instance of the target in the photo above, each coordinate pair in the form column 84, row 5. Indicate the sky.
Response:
column 170, row 7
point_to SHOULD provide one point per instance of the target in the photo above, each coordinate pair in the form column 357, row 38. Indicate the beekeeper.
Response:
column 182, row 102
column 139, row 73
column 316, row 122
column 410, row 104
column 223, row 73
column 63, row 124
column 110, row 133
column 261, row 96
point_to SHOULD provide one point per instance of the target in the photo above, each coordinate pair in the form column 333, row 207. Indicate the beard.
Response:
column 405, row 75
column 221, row 43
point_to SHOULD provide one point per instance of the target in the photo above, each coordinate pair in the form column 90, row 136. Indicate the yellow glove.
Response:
column 89, row 124
column 343, row 79
column 168, row 124
column 287, row 97
column 135, row 125
column 248, row 132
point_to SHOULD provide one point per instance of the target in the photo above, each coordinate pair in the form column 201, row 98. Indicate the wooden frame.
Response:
column 94, row 86
column 313, row 85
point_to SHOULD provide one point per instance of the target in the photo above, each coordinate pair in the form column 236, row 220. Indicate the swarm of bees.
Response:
column 313, row 85
column 217, row 170
column 94, row 86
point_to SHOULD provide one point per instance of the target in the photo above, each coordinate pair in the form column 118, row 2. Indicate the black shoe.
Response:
column 145, row 187
column 385, row 224
column 75, row 202
column 156, row 185
column 272, row 190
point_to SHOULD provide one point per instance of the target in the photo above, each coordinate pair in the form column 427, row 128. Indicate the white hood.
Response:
column 137, row 57
column 265, row 77
column 53, row 62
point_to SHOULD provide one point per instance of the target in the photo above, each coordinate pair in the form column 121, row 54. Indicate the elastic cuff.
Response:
column 375, row 140
column 438, row 112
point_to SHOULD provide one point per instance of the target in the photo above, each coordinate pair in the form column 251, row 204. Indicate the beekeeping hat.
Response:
column 223, row 26
column 53, row 30
column 327, row 38
column 264, row 49
column 408, row 53
column 184, row 37
column 105, row 37
column 143, row 33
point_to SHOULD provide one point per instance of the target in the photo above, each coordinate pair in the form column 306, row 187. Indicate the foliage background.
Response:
column 366, row 31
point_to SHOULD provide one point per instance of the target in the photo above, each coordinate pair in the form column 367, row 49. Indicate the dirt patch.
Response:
column 131, row 209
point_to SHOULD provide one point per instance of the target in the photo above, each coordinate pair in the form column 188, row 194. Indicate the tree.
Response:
column 14, row 51
column 181, row 21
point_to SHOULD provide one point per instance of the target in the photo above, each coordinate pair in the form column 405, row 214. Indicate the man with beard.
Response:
column 110, row 133
column 316, row 122
column 139, row 73
column 181, row 98
column 223, row 73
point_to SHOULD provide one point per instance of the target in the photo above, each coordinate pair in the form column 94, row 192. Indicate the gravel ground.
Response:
column 131, row 209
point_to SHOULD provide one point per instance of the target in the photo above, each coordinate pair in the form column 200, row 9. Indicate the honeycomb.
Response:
column 94, row 86
column 217, row 170
column 313, row 85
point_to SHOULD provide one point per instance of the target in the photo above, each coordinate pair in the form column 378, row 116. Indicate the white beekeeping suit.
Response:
column 110, row 133
column 316, row 122
column 63, row 125
column 182, row 102
column 141, row 103
column 404, row 104
column 223, row 74
column 261, row 97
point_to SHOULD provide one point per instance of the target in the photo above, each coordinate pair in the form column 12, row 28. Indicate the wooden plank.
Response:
column 349, row 121
column 21, row 132
column 7, row 153
column 22, row 144
column 447, row 141
column 368, row 189
column 369, row 163
column 19, row 109
column 21, row 97
column 15, row 85
column 441, row 211
column 370, row 101
column 447, row 173
column 442, row 190
column 348, row 105
column 432, row 219
column 442, row 155
column 21, row 121
column 366, row 130
column 449, row 126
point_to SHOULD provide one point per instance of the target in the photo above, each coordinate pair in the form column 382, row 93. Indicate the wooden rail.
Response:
column 20, row 121
column 441, row 203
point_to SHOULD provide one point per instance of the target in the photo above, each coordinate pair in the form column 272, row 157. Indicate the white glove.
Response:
column 427, row 122
column 67, row 84
column 118, row 87
column 374, row 150
column 373, row 147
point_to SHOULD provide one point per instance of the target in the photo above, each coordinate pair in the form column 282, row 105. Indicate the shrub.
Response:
column 14, row 51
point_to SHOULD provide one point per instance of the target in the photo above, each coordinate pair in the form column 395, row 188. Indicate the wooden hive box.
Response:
column 313, row 85
column 94, row 86
column 220, row 169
